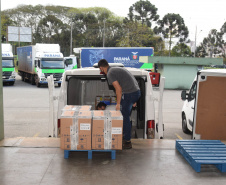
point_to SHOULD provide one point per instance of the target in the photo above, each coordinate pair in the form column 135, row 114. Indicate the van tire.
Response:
column 184, row 125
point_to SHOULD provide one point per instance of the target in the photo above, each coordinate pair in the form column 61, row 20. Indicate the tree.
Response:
column 136, row 36
column 172, row 26
column 181, row 50
column 144, row 12
column 212, row 42
column 5, row 21
column 48, row 27
column 222, row 42
column 201, row 51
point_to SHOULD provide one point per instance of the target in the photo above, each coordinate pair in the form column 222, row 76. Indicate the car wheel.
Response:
column 184, row 125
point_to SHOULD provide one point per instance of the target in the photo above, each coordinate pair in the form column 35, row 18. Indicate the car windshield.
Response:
column 52, row 63
column 7, row 63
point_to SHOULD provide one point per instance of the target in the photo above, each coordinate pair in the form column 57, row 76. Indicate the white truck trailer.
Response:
column 37, row 62
column 8, row 67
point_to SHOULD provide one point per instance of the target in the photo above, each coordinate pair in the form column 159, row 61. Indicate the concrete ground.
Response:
column 40, row 161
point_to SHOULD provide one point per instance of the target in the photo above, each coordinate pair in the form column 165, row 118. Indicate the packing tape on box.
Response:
column 107, row 131
column 74, row 134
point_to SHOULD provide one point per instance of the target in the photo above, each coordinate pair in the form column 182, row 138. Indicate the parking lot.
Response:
column 26, row 111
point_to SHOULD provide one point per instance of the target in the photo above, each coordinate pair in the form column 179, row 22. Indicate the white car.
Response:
column 188, row 108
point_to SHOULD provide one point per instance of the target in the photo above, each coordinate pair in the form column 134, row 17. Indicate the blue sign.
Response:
column 129, row 57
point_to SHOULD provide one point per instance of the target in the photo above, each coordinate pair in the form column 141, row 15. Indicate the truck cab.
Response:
column 86, row 86
column 8, row 67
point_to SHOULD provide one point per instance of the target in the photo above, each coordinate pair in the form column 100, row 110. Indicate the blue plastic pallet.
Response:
column 200, row 152
column 90, row 153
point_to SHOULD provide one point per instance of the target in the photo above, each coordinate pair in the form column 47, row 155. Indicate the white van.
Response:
column 82, row 86
column 204, row 109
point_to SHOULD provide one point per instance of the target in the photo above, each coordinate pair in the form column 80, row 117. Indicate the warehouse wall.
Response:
column 178, row 76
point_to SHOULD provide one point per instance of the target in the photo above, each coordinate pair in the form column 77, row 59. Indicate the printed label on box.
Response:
column 116, row 130
column 85, row 126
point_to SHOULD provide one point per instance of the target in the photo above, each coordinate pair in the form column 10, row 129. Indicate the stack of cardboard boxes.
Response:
column 85, row 129
column 108, row 100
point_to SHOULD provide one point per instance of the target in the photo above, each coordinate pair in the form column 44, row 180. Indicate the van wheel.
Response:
column 184, row 125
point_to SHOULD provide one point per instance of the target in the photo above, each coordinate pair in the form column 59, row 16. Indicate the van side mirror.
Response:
column 184, row 95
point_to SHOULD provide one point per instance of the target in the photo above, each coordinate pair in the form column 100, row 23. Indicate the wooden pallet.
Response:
column 202, row 152
column 90, row 153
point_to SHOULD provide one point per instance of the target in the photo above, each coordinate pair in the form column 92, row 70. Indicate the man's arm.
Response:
column 118, row 90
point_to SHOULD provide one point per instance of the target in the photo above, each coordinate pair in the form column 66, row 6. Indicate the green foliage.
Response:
column 136, row 36
column 181, row 50
column 172, row 26
column 5, row 21
column 201, row 51
column 213, row 43
column 143, row 12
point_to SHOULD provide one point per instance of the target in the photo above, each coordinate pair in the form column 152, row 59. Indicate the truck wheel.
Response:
column 32, row 80
column 23, row 79
column 184, row 125
column 36, row 82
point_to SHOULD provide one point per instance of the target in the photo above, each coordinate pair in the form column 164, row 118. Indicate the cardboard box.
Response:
column 116, row 129
column 76, row 130
column 107, row 130
column 77, row 107
column 113, row 100
column 98, row 99
column 84, row 130
column 98, row 130
column 105, row 99
column 68, row 119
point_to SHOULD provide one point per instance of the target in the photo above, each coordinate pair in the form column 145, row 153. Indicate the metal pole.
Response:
column 1, row 88
column 104, row 34
column 195, row 40
column 71, row 39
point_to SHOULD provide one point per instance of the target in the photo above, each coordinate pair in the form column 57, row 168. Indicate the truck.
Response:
column 37, row 62
column 87, row 86
column 203, row 113
column 8, row 67
column 128, row 56
column 71, row 62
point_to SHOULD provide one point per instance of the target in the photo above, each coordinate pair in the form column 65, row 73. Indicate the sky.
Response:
column 200, row 16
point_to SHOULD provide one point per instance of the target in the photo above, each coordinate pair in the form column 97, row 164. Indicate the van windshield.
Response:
column 7, row 63
column 52, row 63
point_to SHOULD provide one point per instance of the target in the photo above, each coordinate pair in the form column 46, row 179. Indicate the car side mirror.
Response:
column 184, row 95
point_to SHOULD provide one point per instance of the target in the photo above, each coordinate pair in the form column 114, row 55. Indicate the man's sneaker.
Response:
column 127, row 144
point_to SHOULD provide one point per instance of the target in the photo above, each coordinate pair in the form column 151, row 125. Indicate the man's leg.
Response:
column 127, row 102
column 126, row 109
